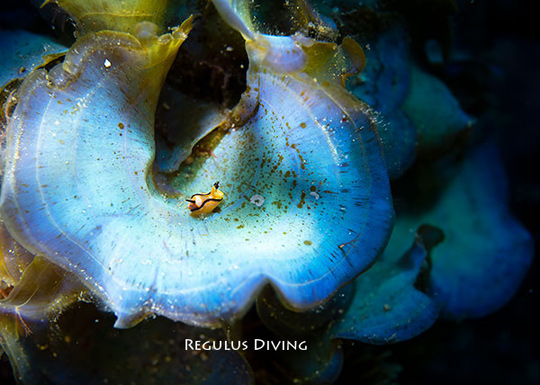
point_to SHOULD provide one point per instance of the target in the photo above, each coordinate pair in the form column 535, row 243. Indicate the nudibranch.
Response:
column 304, row 165
column 78, row 184
column 205, row 203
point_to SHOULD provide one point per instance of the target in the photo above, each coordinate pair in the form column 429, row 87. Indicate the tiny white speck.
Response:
column 56, row 123
column 107, row 63
column 314, row 194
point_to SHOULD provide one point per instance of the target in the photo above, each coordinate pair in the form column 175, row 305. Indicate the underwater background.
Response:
column 486, row 53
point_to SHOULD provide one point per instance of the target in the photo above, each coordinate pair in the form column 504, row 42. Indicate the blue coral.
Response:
column 307, row 227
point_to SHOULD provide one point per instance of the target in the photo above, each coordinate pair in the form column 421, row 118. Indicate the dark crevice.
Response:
column 212, row 63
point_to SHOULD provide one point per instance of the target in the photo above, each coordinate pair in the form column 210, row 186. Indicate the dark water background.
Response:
column 494, row 71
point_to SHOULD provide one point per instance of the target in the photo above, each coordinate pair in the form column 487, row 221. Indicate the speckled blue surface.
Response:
column 77, row 188
column 305, row 169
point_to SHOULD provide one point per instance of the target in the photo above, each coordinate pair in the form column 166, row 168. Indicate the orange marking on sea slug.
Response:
column 205, row 203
